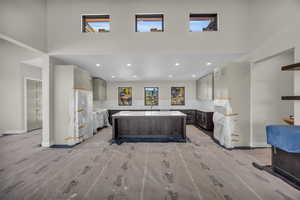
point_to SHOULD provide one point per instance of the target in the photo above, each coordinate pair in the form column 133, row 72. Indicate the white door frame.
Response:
column 25, row 98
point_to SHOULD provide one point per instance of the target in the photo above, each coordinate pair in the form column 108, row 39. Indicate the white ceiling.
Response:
column 148, row 67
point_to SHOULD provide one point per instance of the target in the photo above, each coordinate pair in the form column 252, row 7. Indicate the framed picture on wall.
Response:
column 177, row 96
column 125, row 96
column 151, row 96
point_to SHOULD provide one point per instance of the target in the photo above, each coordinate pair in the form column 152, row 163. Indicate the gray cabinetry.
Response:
column 82, row 79
column 205, row 87
column 99, row 89
column 204, row 120
column 190, row 116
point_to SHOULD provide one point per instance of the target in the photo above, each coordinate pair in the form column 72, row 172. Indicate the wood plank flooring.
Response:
column 96, row 169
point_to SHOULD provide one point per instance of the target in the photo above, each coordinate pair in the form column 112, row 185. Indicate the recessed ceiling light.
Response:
column 170, row 76
column 113, row 76
column 98, row 65
column 128, row 65
column 208, row 63
column 177, row 64
column 194, row 75
column 134, row 76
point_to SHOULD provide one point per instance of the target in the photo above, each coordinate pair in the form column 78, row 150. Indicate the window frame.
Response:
column 149, row 14
column 206, row 13
column 157, row 97
column 82, row 21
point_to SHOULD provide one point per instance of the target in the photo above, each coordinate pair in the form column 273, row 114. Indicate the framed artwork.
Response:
column 151, row 96
column 177, row 95
column 125, row 96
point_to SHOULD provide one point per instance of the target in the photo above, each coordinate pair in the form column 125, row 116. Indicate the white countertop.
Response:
column 148, row 113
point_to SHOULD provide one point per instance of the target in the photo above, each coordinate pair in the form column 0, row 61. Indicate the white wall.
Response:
column 63, row 103
column 12, row 74
column 24, row 21
column 64, row 27
column 268, row 84
column 49, row 99
column 277, row 28
column 232, row 86
column 297, row 92
column 138, row 94
column 272, row 17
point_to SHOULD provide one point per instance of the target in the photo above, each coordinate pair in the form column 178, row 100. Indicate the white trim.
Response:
column 260, row 144
column 251, row 104
column 13, row 131
column 21, row 44
column 45, row 144
column 25, row 99
column 47, row 133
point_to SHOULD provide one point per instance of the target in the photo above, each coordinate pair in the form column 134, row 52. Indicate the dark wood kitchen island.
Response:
column 149, row 126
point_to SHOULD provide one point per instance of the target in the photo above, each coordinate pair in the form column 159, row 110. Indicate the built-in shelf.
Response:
column 292, row 67
column 290, row 98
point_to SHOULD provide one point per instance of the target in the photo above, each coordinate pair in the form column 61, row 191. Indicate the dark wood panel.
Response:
column 292, row 67
column 190, row 118
column 149, row 127
column 290, row 98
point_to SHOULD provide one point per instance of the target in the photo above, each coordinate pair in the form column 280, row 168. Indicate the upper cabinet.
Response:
column 82, row 79
column 205, row 87
column 99, row 89
column 232, row 82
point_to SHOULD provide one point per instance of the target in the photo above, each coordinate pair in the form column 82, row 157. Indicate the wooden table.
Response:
column 289, row 120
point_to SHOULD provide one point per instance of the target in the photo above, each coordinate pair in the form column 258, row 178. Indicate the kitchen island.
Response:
column 149, row 126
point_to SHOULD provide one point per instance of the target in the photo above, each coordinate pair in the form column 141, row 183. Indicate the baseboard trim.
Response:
column 13, row 132
column 45, row 144
column 260, row 145
column 243, row 147
column 137, row 140
column 64, row 146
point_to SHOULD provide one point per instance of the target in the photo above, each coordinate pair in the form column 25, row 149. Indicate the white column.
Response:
column 47, row 75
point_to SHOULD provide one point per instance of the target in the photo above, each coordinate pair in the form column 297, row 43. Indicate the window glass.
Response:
column 149, row 23
column 95, row 23
column 203, row 22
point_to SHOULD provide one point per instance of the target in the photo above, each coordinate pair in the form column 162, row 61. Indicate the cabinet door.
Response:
column 204, row 87
column 200, row 119
column 190, row 117
column 197, row 118
column 99, row 89
column 103, row 90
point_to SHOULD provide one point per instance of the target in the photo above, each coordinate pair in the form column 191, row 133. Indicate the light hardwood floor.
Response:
column 96, row 169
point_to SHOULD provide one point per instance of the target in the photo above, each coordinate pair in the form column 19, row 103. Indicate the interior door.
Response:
column 34, row 104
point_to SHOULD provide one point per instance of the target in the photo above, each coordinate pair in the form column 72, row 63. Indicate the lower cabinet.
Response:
column 198, row 118
column 110, row 113
column 190, row 116
column 204, row 120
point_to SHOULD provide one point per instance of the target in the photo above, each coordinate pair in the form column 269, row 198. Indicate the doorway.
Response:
column 33, row 92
